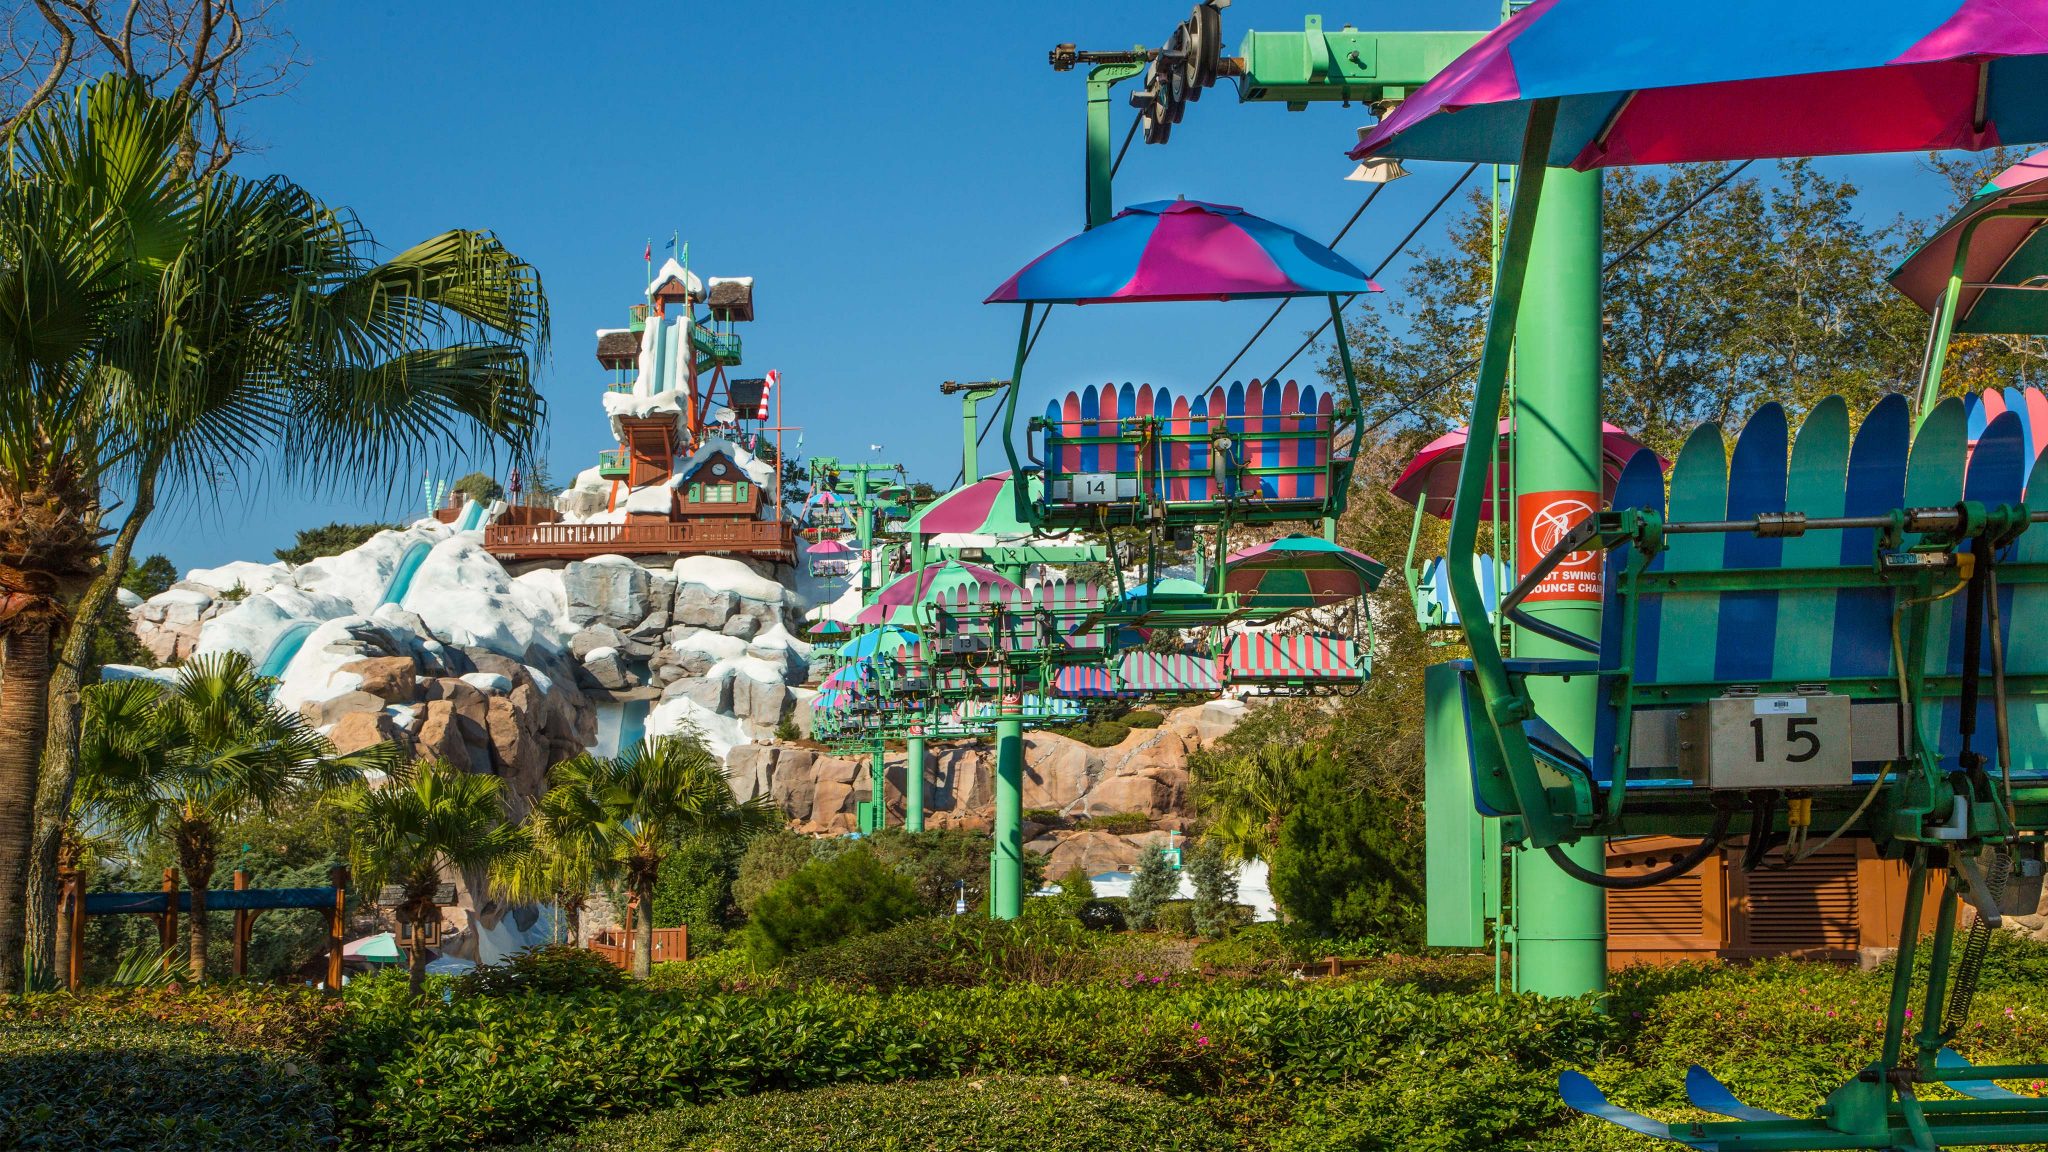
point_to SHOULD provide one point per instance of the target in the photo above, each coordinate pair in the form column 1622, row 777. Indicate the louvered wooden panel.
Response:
column 1809, row 905
column 1673, row 908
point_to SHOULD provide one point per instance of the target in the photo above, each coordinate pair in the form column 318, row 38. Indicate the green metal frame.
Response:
column 1951, row 299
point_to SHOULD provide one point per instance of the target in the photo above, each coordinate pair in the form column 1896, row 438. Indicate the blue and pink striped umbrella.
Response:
column 1182, row 250
column 1645, row 83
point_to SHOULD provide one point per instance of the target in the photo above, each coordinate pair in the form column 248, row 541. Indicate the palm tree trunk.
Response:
column 58, row 742
column 24, row 709
column 196, row 860
column 416, row 952
column 643, row 928
column 575, row 908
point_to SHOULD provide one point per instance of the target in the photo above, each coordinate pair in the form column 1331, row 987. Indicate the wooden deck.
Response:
column 769, row 539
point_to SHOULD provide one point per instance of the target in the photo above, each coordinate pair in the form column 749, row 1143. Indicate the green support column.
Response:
column 878, row 791
column 913, row 786
column 1561, row 923
column 1006, row 872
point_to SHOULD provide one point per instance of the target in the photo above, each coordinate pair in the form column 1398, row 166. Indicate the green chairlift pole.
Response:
column 1006, row 871
column 1561, row 923
column 913, row 782
column 1561, row 929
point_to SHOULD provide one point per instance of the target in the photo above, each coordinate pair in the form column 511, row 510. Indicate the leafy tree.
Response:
column 430, row 818
column 243, row 321
column 1340, row 866
column 771, row 858
column 1156, row 883
column 936, row 861
column 695, row 888
column 1215, row 880
column 826, row 901
column 480, row 487
column 150, row 575
column 182, row 761
column 629, row 813
column 329, row 540
column 551, row 865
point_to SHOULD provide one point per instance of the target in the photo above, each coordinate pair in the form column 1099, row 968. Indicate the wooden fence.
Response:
column 617, row 947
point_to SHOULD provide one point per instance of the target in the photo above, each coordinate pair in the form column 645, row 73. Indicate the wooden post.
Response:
column 339, row 878
column 242, row 919
column 74, row 929
column 167, row 928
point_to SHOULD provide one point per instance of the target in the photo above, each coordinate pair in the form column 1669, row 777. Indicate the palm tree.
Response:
column 1240, row 801
column 427, row 820
column 184, row 760
column 627, row 813
column 160, row 335
column 554, row 867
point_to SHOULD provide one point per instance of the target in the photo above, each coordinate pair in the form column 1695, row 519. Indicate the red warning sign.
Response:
column 1545, row 518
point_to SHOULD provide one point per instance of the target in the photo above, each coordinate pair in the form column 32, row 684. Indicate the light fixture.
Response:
column 1377, row 170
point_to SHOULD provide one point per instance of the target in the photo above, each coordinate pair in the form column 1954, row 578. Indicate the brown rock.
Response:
column 321, row 713
column 359, row 730
column 1057, row 771
column 446, row 734
column 391, row 679
column 516, row 753
column 464, row 697
column 1154, row 793
column 1092, row 852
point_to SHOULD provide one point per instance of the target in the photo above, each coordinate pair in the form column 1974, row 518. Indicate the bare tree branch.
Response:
column 60, row 63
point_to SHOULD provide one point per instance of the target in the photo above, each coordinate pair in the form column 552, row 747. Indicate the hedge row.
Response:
column 484, row 1070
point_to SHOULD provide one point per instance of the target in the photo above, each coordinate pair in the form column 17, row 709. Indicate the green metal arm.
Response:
column 1951, row 298
column 1019, row 491
column 1506, row 704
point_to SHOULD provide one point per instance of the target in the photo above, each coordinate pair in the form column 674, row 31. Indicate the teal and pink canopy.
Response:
column 1667, row 83
column 1182, row 250
column 2007, row 264
column 1299, row 571
column 927, row 583
column 985, row 507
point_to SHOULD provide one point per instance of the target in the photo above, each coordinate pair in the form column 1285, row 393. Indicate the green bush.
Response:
column 73, row 1081
column 1175, row 918
column 553, row 969
column 1102, row 916
column 477, row 1070
column 771, row 858
column 1096, row 733
column 329, row 540
column 1117, row 823
column 1049, row 1114
column 1156, row 883
column 1142, row 718
column 1429, row 1105
column 480, row 487
column 726, row 971
column 936, row 862
column 828, row 901
column 695, row 886
column 1340, row 865
column 923, row 953
column 1216, row 908
column 1048, row 816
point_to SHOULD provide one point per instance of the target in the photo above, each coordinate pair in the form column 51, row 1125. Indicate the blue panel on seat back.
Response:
column 1994, row 478
column 1876, row 485
column 1756, row 484
column 1127, row 407
column 1640, row 486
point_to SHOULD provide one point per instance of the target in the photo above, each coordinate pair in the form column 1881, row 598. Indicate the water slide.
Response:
column 288, row 642
column 472, row 519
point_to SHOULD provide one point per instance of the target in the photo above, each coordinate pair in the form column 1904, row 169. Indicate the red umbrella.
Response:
column 1432, row 477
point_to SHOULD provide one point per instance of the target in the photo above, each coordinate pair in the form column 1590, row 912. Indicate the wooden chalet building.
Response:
column 683, row 479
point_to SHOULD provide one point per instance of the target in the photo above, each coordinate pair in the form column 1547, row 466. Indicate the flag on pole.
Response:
column 648, row 255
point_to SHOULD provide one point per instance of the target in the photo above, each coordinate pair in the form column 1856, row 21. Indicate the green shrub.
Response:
column 552, row 969
column 828, row 901
column 76, row 1082
column 329, row 540
column 1042, row 816
column 1102, row 916
column 1410, row 1105
column 786, row 732
column 923, row 953
column 1216, row 908
column 1142, row 718
column 1340, row 865
column 936, row 862
column 1175, row 918
column 1096, row 733
column 771, row 858
column 477, row 1070
column 1058, row 1114
column 694, row 887
column 1155, row 884
column 1117, row 823
column 727, row 971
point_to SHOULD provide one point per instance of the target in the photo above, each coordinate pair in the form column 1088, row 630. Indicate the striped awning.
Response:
column 1169, row 672
column 1085, row 682
column 1260, row 656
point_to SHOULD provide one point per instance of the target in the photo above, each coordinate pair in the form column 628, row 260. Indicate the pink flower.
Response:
column 1202, row 1040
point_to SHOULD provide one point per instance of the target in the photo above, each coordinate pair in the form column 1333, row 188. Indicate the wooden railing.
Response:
column 617, row 947
column 641, row 537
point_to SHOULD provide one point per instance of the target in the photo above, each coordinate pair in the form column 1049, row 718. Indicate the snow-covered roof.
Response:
column 670, row 270
column 746, row 280
column 757, row 470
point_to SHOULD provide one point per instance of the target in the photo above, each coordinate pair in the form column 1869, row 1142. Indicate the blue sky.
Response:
column 878, row 168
